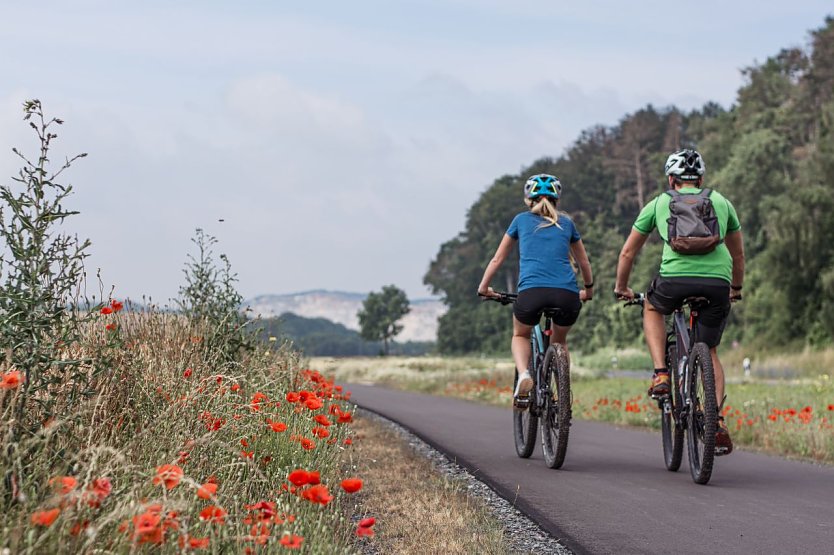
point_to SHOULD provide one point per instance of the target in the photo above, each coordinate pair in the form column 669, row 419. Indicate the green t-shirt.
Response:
column 716, row 264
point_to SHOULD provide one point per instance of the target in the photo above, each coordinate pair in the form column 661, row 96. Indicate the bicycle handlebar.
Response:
column 638, row 300
column 503, row 298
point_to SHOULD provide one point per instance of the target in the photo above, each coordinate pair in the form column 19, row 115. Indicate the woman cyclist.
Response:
column 547, row 238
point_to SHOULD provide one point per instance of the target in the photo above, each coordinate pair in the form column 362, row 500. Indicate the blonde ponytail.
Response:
column 546, row 209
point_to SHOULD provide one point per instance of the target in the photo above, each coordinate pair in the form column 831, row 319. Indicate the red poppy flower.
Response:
column 207, row 490
column 45, row 518
column 98, row 491
column 299, row 477
column 322, row 419
column 313, row 477
column 317, row 494
column 169, row 475
column 244, row 442
column 320, row 432
column 106, row 310
column 79, row 527
column 364, row 532
column 193, row 543
column 830, row 407
column 147, row 522
column 236, row 387
column 348, row 441
column 307, row 443
column 345, row 417
column 247, row 454
column 314, row 403
column 187, row 373
column 352, row 485
column 277, row 426
column 116, row 305
column 367, row 522
column 292, row 541
column 257, row 399
column 265, row 508
column 259, row 533
column 110, row 327
column 293, row 397
column 213, row 513
column 11, row 379
column 63, row 484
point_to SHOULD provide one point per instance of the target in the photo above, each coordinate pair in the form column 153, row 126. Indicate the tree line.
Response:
column 771, row 154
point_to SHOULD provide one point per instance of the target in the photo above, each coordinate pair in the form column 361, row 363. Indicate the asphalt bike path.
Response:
column 614, row 495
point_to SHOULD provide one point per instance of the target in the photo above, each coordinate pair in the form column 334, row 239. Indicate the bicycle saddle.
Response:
column 552, row 311
column 696, row 302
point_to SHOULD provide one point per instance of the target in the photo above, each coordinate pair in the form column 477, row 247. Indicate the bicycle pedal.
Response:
column 521, row 403
column 721, row 451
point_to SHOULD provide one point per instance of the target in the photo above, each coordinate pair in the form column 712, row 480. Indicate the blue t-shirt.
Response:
column 544, row 259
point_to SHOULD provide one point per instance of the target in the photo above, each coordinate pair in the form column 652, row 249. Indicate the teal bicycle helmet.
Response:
column 542, row 185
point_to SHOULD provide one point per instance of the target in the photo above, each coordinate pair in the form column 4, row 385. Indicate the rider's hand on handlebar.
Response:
column 586, row 295
column 735, row 296
column 487, row 292
column 624, row 294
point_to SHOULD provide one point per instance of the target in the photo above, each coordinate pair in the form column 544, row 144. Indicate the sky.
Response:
column 341, row 143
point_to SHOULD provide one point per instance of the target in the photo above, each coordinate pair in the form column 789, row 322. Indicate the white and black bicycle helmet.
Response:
column 542, row 185
column 686, row 165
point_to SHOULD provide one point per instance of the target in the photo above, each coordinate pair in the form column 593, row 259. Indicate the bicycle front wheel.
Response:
column 557, row 406
column 671, row 428
column 703, row 414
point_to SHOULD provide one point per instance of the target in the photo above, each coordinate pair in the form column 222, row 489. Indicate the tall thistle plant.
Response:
column 41, row 274
column 209, row 298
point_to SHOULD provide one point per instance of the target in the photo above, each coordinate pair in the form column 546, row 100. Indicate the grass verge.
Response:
column 178, row 452
column 418, row 509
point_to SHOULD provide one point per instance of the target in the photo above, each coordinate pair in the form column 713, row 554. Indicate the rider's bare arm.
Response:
column 501, row 254
column 735, row 244
column 632, row 246
column 577, row 250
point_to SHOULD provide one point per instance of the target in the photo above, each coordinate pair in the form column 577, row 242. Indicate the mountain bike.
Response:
column 691, row 405
column 550, row 398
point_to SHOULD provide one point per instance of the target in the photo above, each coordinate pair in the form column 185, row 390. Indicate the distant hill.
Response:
column 321, row 337
column 340, row 307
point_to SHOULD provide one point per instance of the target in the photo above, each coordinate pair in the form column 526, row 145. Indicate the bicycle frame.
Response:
column 541, row 336
column 685, row 339
column 682, row 339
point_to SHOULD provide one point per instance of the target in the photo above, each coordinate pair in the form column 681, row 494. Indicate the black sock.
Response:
column 661, row 371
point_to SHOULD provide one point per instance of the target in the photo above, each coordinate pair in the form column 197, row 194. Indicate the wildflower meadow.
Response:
column 129, row 428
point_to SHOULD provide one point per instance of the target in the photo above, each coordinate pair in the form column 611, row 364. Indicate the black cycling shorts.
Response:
column 668, row 294
column 531, row 303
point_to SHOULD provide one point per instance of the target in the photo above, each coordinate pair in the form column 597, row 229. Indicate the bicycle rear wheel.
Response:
column 671, row 428
column 525, row 422
column 703, row 415
column 557, row 406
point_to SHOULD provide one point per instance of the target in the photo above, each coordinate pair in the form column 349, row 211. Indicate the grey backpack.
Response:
column 693, row 225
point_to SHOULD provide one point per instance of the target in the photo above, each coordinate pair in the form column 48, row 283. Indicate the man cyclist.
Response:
column 716, row 275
